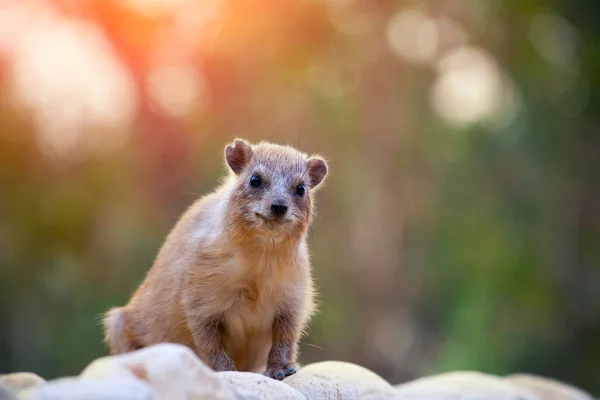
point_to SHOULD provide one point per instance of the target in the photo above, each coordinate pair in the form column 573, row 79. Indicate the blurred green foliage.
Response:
column 438, row 246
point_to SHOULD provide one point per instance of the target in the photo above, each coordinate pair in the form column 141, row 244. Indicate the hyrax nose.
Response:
column 278, row 209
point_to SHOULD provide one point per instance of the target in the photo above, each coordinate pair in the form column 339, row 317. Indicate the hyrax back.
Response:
column 232, row 280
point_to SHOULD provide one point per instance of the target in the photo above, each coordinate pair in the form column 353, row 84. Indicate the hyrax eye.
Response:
column 300, row 190
column 255, row 181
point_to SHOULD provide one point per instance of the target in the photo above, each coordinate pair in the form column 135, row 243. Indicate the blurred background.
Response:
column 460, row 225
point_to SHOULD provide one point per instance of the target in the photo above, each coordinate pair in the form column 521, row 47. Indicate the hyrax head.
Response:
column 274, row 186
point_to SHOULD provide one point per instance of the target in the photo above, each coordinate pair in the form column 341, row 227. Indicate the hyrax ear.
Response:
column 317, row 170
column 238, row 155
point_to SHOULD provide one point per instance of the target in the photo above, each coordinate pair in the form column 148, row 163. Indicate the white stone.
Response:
column 20, row 380
column 257, row 386
column 547, row 389
column 172, row 370
column 91, row 389
column 340, row 381
column 6, row 394
column 463, row 385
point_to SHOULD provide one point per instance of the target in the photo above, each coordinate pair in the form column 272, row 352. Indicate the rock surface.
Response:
column 6, row 394
column 91, row 389
column 547, row 389
column 20, row 380
column 174, row 372
column 260, row 387
column 338, row 380
column 463, row 385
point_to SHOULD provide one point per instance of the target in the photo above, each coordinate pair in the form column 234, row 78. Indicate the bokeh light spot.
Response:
column 348, row 20
column 175, row 89
column 553, row 38
column 66, row 72
column 470, row 87
column 413, row 36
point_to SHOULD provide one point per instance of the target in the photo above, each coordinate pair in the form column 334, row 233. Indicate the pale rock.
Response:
column 20, row 380
column 321, row 387
column 547, row 389
column 340, row 381
column 91, row 389
column 424, row 393
column 253, row 386
column 378, row 394
column 463, row 385
column 172, row 370
column 6, row 394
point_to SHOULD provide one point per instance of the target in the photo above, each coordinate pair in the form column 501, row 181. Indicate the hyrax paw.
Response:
column 280, row 373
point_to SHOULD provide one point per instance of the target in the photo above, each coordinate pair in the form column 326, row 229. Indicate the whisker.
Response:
column 314, row 345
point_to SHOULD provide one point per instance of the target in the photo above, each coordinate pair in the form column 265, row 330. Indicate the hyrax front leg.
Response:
column 208, row 339
column 284, row 350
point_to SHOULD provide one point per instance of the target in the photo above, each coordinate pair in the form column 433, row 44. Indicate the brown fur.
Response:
column 230, row 284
